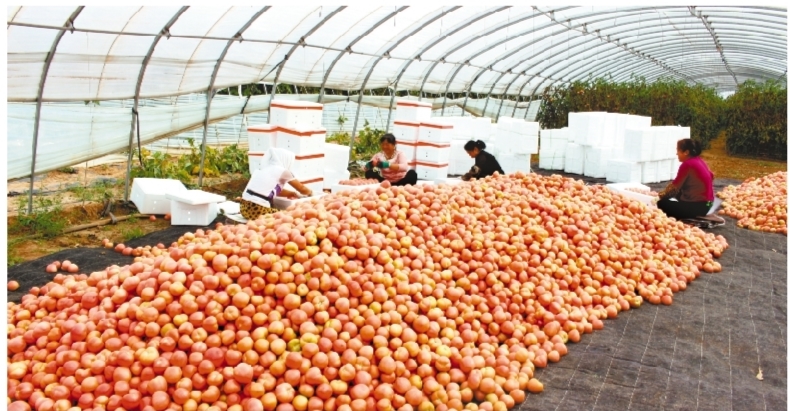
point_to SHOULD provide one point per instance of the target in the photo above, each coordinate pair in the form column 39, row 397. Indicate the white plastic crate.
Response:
column 291, row 114
column 148, row 194
column 551, row 159
column 302, row 141
column 336, row 158
column 460, row 162
column 431, row 171
column 574, row 158
column 621, row 171
column 406, row 130
column 333, row 177
column 673, row 169
column 638, row 145
column 255, row 159
column 664, row 170
column 649, row 172
column 193, row 207
column 595, row 162
column 407, row 110
column 308, row 165
column 261, row 137
column 622, row 189
column 435, row 132
column 282, row 203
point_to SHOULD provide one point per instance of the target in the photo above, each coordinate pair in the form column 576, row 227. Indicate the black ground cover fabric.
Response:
column 703, row 352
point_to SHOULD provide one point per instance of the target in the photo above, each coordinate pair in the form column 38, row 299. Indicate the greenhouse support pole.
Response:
column 44, row 71
column 210, row 91
column 348, row 50
column 165, row 30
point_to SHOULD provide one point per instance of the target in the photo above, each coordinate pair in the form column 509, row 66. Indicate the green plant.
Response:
column 68, row 170
column 132, row 233
column 159, row 165
column 96, row 192
column 342, row 120
column 366, row 144
column 45, row 219
column 667, row 102
column 227, row 160
column 756, row 120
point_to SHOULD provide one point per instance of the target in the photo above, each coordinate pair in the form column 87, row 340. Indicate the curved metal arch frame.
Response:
column 294, row 47
column 351, row 44
column 210, row 89
column 138, row 86
column 41, row 83
column 698, row 71
column 742, row 55
column 427, row 23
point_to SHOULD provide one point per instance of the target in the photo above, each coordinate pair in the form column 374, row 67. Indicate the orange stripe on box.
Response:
column 310, row 157
column 426, row 144
column 413, row 104
column 280, row 105
column 407, row 123
column 434, row 165
column 315, row 180
column 407, row 143
column 262, row 129
column 293, row 132
column 436, row 125
column 255, row 154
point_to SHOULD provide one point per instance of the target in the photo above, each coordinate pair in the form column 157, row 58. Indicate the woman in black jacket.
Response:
column 485, row 163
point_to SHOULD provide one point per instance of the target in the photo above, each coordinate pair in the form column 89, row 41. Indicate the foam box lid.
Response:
column 436, row 124
column 407, row 123
column 410, row 103
column 302, row 131
column 229, row 207
column 262, row 128
column 292, row 104
column 195, row 197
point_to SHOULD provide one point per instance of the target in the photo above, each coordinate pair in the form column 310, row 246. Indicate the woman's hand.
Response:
column 394, row 167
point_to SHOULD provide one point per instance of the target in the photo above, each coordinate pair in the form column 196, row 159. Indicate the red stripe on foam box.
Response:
column 413, row 104
column 308, row 133
column 407, row 123
column 434, row 165
column 436, row 125
column 436, row 145
column 407, row 143
column 255, row 153
column 310, row 157
column 262, row 128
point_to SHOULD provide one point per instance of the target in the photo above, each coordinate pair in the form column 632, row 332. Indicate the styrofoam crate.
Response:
column 433, row 153
column 595, row 162
column 406, row 130
column 193, row 207
column 407, row 110
column 255, row 159
column 333, row 177
column 460, row 162
column 622, row 189
column 638, row 145
column 587, row 128
column 282, row 203
column 431, row 171
column 308, row 165
column 673, row 169
column 314, row 183
column 621, row 171
column 621, row 120
column 481, row 127
column 551, row 159
column 336, row 158
column 291, row 114
column 261, row 137
column 636, row 122
column 511, row 143
column 435, row 132
column 512, row 163
column 663, row 170
column 574, row 159
column 148, row 194
column 302, row 141
column 649, row 172
column 229, row 207
column 409, row 149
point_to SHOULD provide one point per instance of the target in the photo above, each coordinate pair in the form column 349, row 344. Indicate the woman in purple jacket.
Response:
column 693, row 186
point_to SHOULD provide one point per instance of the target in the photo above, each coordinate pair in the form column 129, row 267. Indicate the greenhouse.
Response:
column 372, row 207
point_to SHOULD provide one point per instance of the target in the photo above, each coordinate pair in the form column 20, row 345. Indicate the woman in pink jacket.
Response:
column 690, row 194
column 393, row 164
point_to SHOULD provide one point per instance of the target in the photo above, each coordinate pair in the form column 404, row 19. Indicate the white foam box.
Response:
column 282, row 203
column 555, row 139
column 574, row 158
column 148, row 194
column 587, row 128
column 406, row 130
column 551, row 158
column 338, row 188
column 409, row 149
column 595, row 161
column 261, row 137
column 435, row 132
column 481, row 127
column 622, row 189
column 512, row 143
column 673, row 169
column 638, row 145
column 310, row 165
column 634, row 121
column 609, row 132
column 255, row 158
column 407, row 110
column 664, row 170
column 512, row 163
column 431, row 171
column 333, row 177
column 314, row 183
column 460, row 162
column 229, row 207
column 664, row 139
column 649, row 172
column 193, row 207
column 288, row 113
column 433, row 153
column 302, row 141
column 336, row 157
column 621, row 121
column 621, row 171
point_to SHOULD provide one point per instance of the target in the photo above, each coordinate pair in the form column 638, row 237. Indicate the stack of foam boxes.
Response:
column 406, row 128
column 594, row 133
column 517, row 141
column 433, row 150
column 634, row 144
column 294, row 126
column 552, row 148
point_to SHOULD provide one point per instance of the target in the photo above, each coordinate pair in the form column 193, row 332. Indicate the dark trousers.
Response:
column 409, row 179
column 682, row 210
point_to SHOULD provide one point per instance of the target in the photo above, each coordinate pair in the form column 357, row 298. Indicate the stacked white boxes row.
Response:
column 622, row 148
column 425, row 141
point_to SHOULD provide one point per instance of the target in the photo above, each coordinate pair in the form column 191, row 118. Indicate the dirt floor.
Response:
column 726, row 166
column 722, row 345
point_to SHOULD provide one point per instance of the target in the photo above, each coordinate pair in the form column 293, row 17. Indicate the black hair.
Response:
column 389, row 137
column 471, row 145
column 694, row 147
